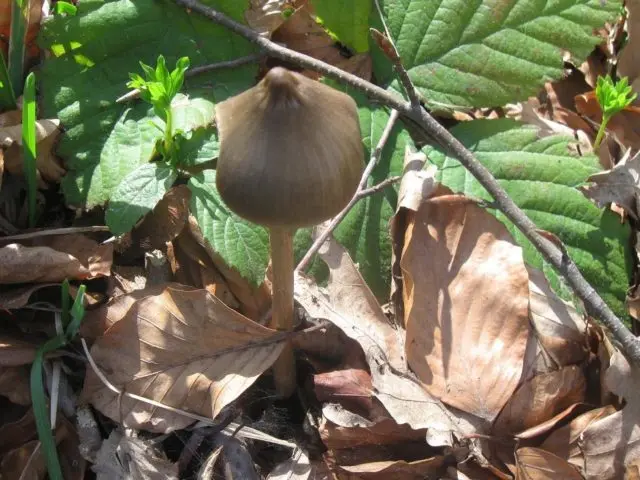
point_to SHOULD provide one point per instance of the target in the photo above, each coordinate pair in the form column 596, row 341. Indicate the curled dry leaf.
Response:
column 351, row 388
column 537, row 464
column 183, row 348
column 352, row 307
column 466, row 301
column 15, row 352
column 619, row 185
column 298, row 467
column 54, row 259
column 264, row 16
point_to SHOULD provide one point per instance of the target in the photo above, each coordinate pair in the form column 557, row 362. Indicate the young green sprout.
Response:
column 290, row 156
column 613, row 98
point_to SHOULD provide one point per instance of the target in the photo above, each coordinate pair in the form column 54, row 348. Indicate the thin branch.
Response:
column 378, row 187
column 373, row 161
column 55, row 231
column 594, row 304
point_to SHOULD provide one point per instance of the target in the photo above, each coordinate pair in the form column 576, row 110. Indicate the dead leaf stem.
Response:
column 594, row 304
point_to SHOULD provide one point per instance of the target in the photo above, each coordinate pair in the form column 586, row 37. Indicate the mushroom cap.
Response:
column 290, row 151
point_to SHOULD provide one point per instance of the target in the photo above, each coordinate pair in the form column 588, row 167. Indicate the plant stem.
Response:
column 168, row 134
column 601, row 130
column 284, row 369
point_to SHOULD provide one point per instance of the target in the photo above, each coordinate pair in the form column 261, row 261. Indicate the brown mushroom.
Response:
column 290, row 156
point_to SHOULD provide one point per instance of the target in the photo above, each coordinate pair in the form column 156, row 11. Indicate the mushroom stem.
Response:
column 284, row 370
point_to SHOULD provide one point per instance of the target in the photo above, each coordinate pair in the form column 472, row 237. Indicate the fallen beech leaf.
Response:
column 15, row 433
column 14, row 384
column 353, row 308
column 167, row 219
column 564, row 442
column 618, row 185
column 350, row 388
column 397, row 470
column 10, row 134
column 540, row 399
column 54, row 259
column 297, row 467
column 14, row 352
column 18, row 297
column 537, row 464
column 466, row 302
column 130, row 458
column 183, row 348
column 629, row 58
column 558, row 326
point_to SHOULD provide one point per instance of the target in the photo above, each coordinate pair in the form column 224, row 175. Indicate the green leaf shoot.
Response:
column 29, row 143
column 613, row 97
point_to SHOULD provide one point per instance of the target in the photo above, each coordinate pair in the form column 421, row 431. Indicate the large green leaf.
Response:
column 349, row 22
column 490, row 52
column 541, row 175
column 93, row 54
column 242, row 245
column 137, row 194
column 365, row 230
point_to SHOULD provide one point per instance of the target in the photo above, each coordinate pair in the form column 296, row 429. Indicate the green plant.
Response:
column 65, row 8
column 613, row 98
column 71, row 319
column 159, row 89
column 20, row 10
column 7, row 97
column 29, row 144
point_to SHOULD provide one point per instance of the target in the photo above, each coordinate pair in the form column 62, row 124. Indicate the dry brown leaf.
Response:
column 35, row 14
column 183, row 348
column 540, row 399
column 558, row 326
column 124, row 457
column 302, row 33
column 351, row 388
column 466, row 300
column 254, row 301
column 14, row 384
column 538, row 464
column 15, row 433
column 18, row 297
column 619, row 185
column 15, row 352
column 353, row 308
column 396, row 470
column 166, row 221
column 552, row 424
column 54, row 259
column 629, row 58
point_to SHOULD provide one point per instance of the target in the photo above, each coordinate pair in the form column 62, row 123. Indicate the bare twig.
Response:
column 55, row 231
column 373, row 161
column 594, row 304
column 192, row 72
column 378, row 187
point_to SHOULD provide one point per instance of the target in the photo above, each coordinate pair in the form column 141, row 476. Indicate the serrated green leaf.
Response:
column 241, row 244
column 86, row 74
column 487, row 53
column 137, row 194
column 191, row 113
column 200, row 147
column 349, row 22
column 128, row 145
column 542, row 175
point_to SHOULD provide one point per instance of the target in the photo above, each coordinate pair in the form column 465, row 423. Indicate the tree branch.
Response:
column 594, row 304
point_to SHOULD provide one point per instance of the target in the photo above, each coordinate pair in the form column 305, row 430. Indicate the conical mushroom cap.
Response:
column 290, row 151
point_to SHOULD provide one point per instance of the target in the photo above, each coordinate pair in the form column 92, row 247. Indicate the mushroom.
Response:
column 290, row 156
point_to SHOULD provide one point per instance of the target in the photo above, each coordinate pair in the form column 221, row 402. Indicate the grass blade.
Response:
column 29, row 143
column 40, row 412
column 17, row 43
column 7, row 97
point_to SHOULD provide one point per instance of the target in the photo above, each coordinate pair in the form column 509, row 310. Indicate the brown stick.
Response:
column 284, row 369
